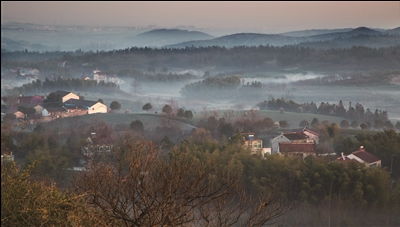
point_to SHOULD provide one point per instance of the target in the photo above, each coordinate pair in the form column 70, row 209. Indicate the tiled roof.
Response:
column 34, row 100
column 299, row 130
column 55, row 109
column 61, row 93
column 295, row 136
column 366, row 156
column 297, row 147
column 78, row 103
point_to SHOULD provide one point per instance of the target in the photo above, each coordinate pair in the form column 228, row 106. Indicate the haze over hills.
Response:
column 162, row 37
column 311, row 32
column 33, row 37
column 361, row 36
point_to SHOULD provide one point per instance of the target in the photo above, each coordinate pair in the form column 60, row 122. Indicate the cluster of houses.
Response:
column 302, row 143
column 101, row 76
column 57, row 104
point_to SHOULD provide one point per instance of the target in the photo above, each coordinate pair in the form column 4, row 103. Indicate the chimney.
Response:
column 343, row 156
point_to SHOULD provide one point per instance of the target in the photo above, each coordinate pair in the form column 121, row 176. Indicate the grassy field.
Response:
column 150, row 121
column 292, row 118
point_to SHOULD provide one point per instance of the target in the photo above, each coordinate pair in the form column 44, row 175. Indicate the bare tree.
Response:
column 143, row 187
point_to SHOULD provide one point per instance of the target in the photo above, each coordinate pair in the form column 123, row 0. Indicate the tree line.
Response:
column 39, row 86
column 197, row 182
column 269, row 58
column 357, row 113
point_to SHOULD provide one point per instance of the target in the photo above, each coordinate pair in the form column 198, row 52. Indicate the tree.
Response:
column 167, row 109
column 398, row 125
column 29, row 203
column 354, row 124
column 304, row 123
column 283, row 124
column 364, row 126
column 188, row 114
column 344, row 124
column 137, row 126
column 143, row 188
column 389, row 125
column 147, row 107
column 29, row 111
column 115, row 105
column 180, row 112
column 314, row 122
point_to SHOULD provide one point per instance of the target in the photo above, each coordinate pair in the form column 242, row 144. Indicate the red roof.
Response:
column 366, row 156
column 31, row 99
column 296, row 136
column 311, row 131
column 297, row 147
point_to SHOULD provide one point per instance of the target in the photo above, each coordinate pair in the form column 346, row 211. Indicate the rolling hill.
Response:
column 162, row 37
column 361, row 36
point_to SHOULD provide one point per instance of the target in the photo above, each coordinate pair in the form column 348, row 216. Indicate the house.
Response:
column 38, row 109
column 61, row 96
column 22, row 100
column 101, row 76
column 95, row 146
column 45, row 113
column 297, row 149
column 19, row 115
column 361, row 156
column 295, row 136
column 255, row 145
column 311, row 134
column 7, row 157
column 56, row 112
column 89, row 107
column 30, row 100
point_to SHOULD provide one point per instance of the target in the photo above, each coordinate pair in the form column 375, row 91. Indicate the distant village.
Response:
column 57, row 104
column 302, row 143
column 31, row 110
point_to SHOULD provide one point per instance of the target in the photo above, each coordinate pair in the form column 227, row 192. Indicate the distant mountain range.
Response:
column 17, row 36
column 340, row 38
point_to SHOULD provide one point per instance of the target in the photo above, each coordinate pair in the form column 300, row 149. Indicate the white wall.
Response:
column 275, row 143
column 97, row 108
column 70, row 96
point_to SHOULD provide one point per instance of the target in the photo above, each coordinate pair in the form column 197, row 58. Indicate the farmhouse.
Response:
column 255, row 145
column 297, row 149
column 61, row 96
column 362, row 156
column 101, row 76
column 56, row 112
column 19, row 115
column 84, row 106
column 295, row 136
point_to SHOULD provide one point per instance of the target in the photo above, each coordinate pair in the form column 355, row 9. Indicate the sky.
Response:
column 235, row 16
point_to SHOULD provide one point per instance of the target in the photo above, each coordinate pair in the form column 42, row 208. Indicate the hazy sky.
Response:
column 240, row 16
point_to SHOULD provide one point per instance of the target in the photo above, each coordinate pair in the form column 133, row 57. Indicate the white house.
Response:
column 38, row 109
column 45, row 113
column 19, row 115
column 275, row 143
column 100, row 76
column 312, row 135
column 98, row 107
column 362, row 156
column 297, row 136
column 63, row 96
column 90, row 106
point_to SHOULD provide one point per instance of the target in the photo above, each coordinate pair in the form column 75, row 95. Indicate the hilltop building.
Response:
column 361, row 156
